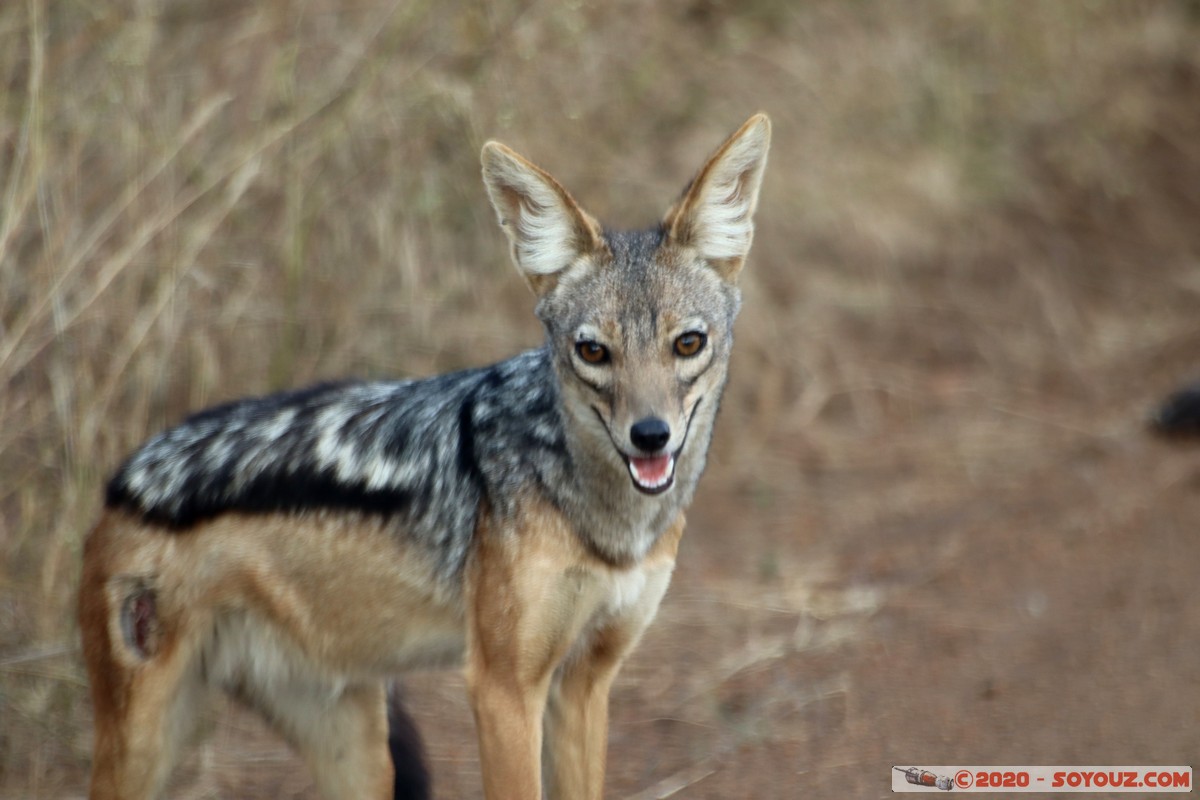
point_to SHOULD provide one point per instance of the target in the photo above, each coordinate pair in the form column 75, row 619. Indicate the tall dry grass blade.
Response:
column 10, row 361
column 22, row 182
column 138, row 331
column 674, row 784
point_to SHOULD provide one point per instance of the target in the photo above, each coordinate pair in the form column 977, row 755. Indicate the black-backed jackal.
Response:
column 520, row 519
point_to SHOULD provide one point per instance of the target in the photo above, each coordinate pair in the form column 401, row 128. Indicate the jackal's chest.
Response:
column 618, row 603
column 623, row 591
column 638, row 588
column 630, row 595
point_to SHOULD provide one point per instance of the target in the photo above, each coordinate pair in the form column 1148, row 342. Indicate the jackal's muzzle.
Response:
column 653, row 471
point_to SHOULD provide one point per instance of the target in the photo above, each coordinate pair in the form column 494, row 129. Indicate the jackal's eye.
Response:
column 592, row 352
column 690, row 343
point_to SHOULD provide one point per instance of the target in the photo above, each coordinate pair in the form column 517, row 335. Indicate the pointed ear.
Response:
column 715, row 216
column 547, row 229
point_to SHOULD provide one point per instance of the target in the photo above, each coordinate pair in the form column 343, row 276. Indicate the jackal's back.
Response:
column 426, row 452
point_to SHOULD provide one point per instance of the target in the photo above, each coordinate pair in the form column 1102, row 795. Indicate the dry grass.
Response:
column 973, row 208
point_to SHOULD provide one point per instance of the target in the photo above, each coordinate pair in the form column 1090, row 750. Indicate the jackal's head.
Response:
column 640, row 323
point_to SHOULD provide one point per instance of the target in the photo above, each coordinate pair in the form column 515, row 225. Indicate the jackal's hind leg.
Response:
column 341, row 733
column 146, row 686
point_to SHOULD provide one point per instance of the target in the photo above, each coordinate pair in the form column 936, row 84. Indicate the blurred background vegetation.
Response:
column 978, row 260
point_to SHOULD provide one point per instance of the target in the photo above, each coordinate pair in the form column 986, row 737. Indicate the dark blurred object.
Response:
column 412, row 779
column 1179, row 415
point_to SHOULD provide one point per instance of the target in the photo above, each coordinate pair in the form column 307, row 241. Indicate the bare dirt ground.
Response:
column 934, row 529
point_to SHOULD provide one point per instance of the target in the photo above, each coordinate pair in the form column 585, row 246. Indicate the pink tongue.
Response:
column 651, row 470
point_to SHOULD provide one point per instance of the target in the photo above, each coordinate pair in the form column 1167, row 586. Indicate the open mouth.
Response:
column 652, row 474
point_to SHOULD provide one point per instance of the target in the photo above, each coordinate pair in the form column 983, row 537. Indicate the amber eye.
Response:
column 592, row 352
column 690, row 343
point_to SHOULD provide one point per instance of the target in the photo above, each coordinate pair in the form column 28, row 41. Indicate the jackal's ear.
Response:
column 547, row 229
column 715, row 216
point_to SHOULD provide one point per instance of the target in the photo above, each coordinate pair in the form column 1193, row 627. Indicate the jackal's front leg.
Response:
column 508, row 718
column 522, row 614
column 576, row 721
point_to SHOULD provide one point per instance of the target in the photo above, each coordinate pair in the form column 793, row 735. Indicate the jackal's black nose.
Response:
column 650, row 434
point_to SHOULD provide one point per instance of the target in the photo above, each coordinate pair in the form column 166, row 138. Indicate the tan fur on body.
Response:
column 303, row 615
column 303, row 620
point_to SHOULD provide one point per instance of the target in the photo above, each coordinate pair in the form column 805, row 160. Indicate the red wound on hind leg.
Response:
column 139, row 622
